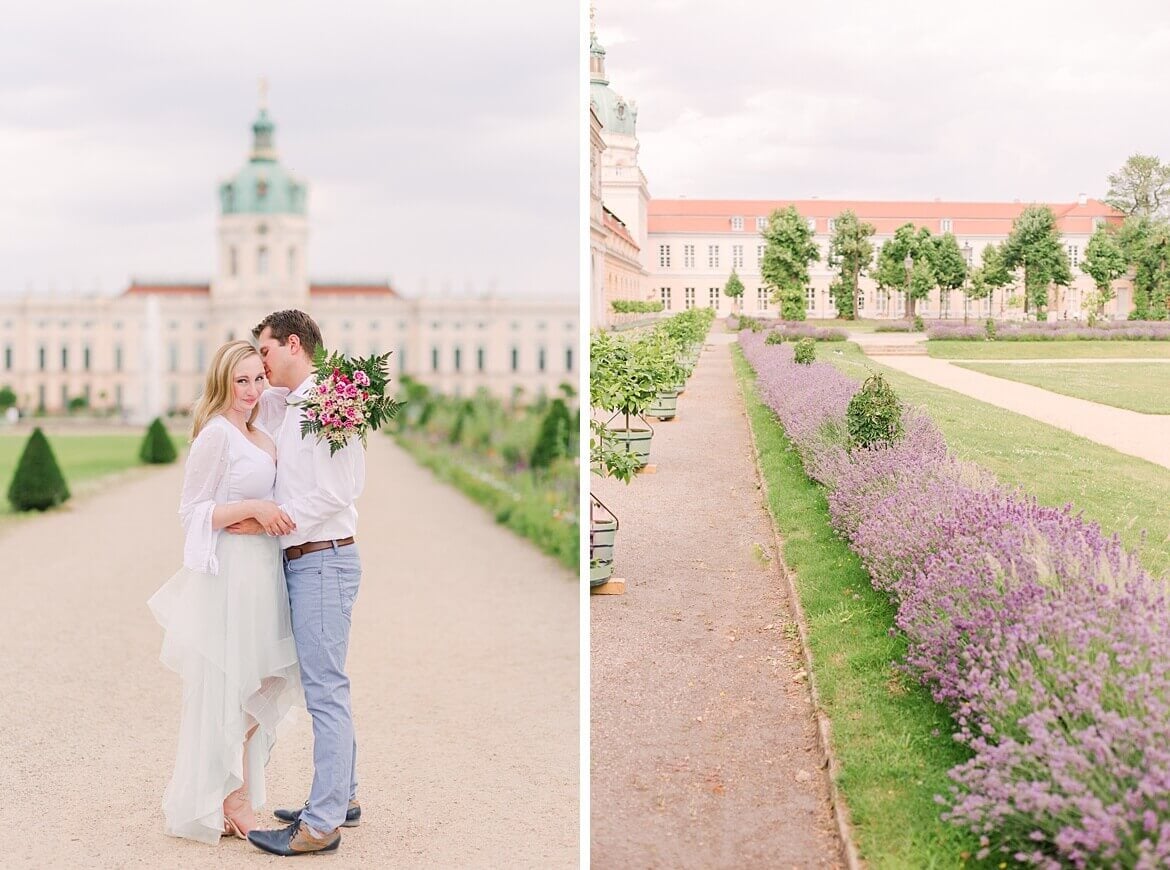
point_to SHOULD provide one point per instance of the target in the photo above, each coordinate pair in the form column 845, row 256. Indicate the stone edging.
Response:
column 824, row 726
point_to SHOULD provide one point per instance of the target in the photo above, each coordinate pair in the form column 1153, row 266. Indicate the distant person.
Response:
column 225, row 614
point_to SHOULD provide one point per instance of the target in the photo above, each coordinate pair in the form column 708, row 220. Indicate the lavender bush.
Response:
column 1057, row 330
column 1042, row 635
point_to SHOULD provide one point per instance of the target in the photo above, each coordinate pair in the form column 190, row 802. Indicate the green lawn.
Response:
column 893, row 742
column 1122, row 493
column 1048, row 349
column 84, row 459
column 1142, row 387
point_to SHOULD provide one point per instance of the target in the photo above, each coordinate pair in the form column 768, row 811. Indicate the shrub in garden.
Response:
column 157, row 447
column 874, row 416
column 37, row 483
column 919, row 325
column 804, row 351
column 1043, row 636
column 990, row 327
column 774, row 337
column 555, row 436
column 7, row 398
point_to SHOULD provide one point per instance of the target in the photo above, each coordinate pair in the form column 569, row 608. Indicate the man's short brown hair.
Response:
column 282, row 324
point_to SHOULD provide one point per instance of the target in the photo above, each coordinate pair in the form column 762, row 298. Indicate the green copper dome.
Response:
column 615, row 113
column 262, row 186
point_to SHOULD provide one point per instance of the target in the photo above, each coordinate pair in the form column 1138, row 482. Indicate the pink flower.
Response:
column 311, row 414
column 362, row 378
column 322, row 390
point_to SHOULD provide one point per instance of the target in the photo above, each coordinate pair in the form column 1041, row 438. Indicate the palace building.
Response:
column 145, row 351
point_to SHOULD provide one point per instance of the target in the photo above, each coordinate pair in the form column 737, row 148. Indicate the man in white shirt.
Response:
column 323, row 570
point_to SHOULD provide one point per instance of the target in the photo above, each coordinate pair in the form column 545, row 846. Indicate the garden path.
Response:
column 464, row 659
column 703, row 740
column 1146, row 436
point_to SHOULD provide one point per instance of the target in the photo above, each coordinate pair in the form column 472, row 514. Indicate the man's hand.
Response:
column 250, row 526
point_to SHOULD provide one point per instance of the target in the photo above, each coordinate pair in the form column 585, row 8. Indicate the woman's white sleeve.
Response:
column 207, row 464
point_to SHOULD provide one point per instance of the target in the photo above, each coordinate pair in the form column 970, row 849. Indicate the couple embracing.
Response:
column 260, row 611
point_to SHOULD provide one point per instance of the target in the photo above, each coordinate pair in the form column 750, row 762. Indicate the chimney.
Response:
column 1082, row 199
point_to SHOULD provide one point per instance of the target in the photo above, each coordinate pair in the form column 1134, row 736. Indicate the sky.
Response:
column 439, row 139
column 991, row 101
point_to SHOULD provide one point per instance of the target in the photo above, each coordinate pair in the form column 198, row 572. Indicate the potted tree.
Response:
column 662, row 357
column 623, row 380
column 605, row 460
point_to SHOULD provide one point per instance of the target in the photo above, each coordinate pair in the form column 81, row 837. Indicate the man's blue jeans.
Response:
column 322, row 587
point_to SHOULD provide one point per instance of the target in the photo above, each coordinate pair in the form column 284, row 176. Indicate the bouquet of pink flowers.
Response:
column 349, row 398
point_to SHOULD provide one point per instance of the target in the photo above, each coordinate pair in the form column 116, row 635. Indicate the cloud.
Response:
column 439, row 139
column 905, row 100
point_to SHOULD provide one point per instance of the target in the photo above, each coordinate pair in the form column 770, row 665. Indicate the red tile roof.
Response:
column 177, row 289
column 967, row 218
column 618, row 227
column 352, row 289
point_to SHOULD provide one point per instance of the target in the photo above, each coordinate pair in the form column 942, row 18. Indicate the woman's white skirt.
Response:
column 229, row 637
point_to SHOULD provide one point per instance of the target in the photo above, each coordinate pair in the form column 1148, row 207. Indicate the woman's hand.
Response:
column 272, row 518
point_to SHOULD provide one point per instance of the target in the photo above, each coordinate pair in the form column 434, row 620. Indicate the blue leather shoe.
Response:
column 353, row 815
column 293, row 840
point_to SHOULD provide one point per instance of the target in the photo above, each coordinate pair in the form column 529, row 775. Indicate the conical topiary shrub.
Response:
column 554, row 437
column 38, row 483
column 157, row 446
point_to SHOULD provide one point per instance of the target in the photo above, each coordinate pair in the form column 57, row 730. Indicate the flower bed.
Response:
column 792, row 330
column 1044, row 638
column 1060, row 330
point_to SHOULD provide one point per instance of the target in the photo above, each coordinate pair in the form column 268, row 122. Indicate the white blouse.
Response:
column 224, row 466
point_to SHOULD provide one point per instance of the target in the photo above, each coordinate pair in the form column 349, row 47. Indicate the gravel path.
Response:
column 703, row 742
column 1146, row 436
column 465, row 666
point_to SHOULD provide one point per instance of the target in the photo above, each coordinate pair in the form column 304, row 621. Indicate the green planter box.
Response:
column 665, row 405
column 636, row 441
column 600, row 573
column 602, row 534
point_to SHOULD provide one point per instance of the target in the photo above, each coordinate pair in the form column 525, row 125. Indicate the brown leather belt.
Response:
column 313, row 546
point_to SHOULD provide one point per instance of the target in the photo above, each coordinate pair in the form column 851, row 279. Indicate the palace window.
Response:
column 118, row 358
column 233, row 262
column 262, row 261
column 41, row 353
column 737, row 223
column 810, row 298
column 1074, row 255
column 688, row 297
column 7, row 357
column 664, row 256
column 85, row 354
column 515, row 359
column 64, row 359
column 713, row 298
column 173, row 353
column 761, row 223
column 458, row 359
column 540, row 359
column 832, row 224
column 712, row 256
column 812, row 224
column 434, row 359
column 737, row 256
column 479, row 359
column 689, row 256
column 568, row 359
column 759, row 256
column 761, row 299
column 860, row 300
column 944, row 225
column 665, row 293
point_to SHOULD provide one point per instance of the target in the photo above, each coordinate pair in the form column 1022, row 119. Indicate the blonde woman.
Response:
column 225, row 614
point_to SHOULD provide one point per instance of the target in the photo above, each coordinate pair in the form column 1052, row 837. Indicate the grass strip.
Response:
column 975, row 350
column 1122, row 493
column 515, row 503
column 1140, row 387
column 893, row 742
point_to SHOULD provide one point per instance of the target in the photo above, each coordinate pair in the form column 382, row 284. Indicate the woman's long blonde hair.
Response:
column 217, row 389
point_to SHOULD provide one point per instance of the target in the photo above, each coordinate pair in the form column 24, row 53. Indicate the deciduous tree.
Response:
column 1034, row 246
column 789, row 249
column 850, row 251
